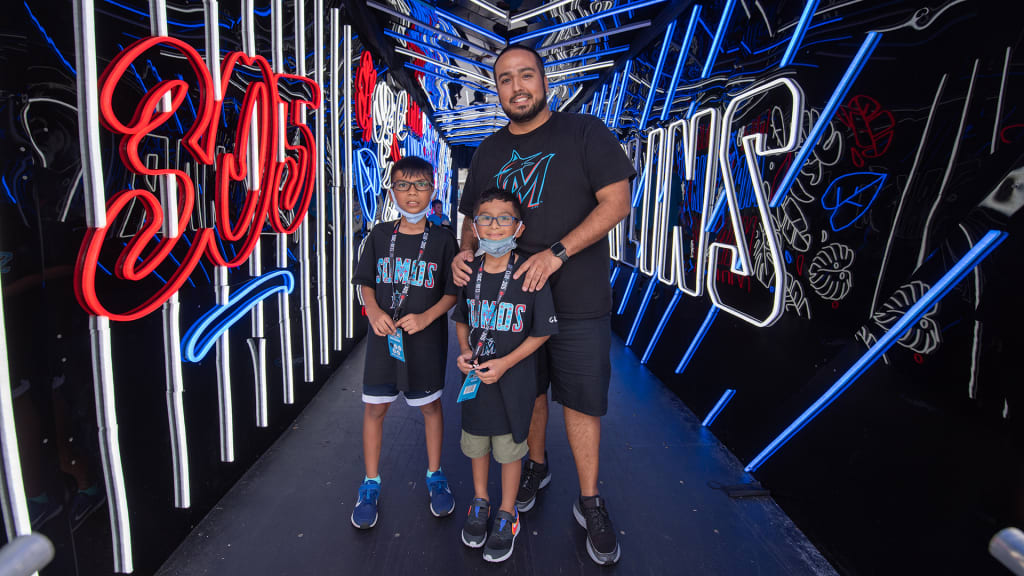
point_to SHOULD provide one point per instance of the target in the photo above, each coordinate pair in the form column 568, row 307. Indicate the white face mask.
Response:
column 412, row 217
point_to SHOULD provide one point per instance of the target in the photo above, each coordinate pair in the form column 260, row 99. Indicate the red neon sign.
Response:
column 284, row 185
column 366, row 80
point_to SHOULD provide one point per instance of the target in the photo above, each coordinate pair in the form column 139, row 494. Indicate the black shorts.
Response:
column 577, row 365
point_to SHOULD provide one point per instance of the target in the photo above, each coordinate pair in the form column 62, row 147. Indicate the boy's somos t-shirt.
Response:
column 425, row 351
column 507, row 405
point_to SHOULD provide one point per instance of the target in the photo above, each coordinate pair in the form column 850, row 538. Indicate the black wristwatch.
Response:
column 558, row 250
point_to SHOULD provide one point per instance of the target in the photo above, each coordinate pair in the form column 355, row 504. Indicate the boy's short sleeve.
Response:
column 447, row 255
column 460, row 313
column 545, row 322
column 366, row 268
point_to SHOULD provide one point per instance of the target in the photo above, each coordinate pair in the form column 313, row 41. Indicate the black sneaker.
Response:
column 474, row 531
column 503, row 537
column 535, row 476
column 602, row 544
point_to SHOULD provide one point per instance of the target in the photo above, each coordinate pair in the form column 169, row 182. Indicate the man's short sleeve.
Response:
column 605, row 160
column 460, row 313
column 447, row 255
column 472, row 189
column 545, row 322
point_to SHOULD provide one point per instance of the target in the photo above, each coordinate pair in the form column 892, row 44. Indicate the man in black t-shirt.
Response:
column 572, row 178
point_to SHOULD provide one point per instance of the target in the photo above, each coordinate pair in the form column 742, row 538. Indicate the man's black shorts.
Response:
column 576, row 362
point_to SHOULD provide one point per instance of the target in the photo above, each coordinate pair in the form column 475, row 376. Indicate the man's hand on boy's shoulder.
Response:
column 412, row 323
column 461, row 268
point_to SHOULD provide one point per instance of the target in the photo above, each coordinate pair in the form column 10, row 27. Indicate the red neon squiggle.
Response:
column 266, row 201
column 366, row 80
column 413, row 117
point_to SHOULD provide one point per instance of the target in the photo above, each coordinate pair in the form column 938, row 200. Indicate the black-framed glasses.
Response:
column 403, row 185
column 503, row 220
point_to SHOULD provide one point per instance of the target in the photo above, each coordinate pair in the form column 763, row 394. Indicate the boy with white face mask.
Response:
column 405, row 279
column 499, row 327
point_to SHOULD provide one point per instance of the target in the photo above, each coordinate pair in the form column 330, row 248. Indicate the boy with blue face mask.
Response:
column 405, row 280
column 499, row 327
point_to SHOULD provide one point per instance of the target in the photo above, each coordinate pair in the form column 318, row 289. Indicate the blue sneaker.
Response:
column 364, row 515
column 441, row 500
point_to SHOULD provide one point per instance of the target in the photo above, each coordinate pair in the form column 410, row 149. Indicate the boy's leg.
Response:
column 481, row 467
column 433, row 427
column 509, row 485
column 373, row 433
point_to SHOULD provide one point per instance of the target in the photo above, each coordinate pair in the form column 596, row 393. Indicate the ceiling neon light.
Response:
column 584, row 20
column 201, row 337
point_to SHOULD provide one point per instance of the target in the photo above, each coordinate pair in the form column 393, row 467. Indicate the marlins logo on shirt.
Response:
column 525, row 176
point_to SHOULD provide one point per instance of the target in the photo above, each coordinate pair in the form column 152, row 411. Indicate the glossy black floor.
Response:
column 289, row 515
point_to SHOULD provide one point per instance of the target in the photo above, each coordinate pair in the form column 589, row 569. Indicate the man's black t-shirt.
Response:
column 506, row 406
column 556, row 171
column 426, row 351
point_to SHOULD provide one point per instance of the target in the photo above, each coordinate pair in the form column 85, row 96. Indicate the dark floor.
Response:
column 290, row 513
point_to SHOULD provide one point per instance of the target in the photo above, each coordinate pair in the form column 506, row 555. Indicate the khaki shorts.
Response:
column 505, row 449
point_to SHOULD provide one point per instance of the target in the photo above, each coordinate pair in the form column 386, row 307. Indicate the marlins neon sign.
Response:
column 286, row 185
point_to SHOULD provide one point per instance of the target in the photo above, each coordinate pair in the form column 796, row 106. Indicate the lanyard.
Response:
column 497, row 304
column 412, row 268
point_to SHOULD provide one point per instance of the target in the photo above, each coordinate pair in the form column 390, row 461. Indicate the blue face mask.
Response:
column 497, row 248
column 411, row 217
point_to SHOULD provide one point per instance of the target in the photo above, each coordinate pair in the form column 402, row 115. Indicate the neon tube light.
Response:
column 200, row 338
column 798, row 34
column 838, row 95
column 424, row 46
column 656, row 78
column 490, row 8
column 629, row 290
column 585, row 20
column 14, row 504
column 574, row 80
column 716, row 44
column 697, row 339
column 466, row 109
column 444, row 66
column 588, row 55
column 595, row 35
column 350, row 225
column 323, row 305
column 719, row 406
column 584, row 68
column 643, row 308
column 929, row 299
column 622, row 91
column 684, row 49
column 470, row 26
column 433, row 30
column 661, row 326
column 615, row 275
column 538, row 11
column 466, row 83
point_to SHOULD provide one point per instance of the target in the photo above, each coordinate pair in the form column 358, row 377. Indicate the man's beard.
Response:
column 528, row 114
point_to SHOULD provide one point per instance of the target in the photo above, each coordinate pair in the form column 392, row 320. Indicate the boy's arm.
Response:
column 413, row 323
column 465, row 353
column 380, row 321
column 492, row 370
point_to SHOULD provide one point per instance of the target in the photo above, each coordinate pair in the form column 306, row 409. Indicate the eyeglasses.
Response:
column 503, row 220
column 403, row 185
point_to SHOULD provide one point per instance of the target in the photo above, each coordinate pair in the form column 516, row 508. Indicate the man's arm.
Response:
column 460, row 264
column 613, row 204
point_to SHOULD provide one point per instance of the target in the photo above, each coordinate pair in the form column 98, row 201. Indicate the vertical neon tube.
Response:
column 643, row 309
column 716, row 44
column 99, row 326
column 306, row 304
column 719, row 406
column 684, row 49
column 656, row 78
column 171, row 310
column 348, row 196
column 615, row 275
column 13, row 504
column 336, row 184
column 697, row 339
column 661, row 326
column 622, row 93
column 321, row 189
column 929, row 299
column 257, row 343
column 798, row 33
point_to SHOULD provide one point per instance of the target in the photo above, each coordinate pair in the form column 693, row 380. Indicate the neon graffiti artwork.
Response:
column 286, row 185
